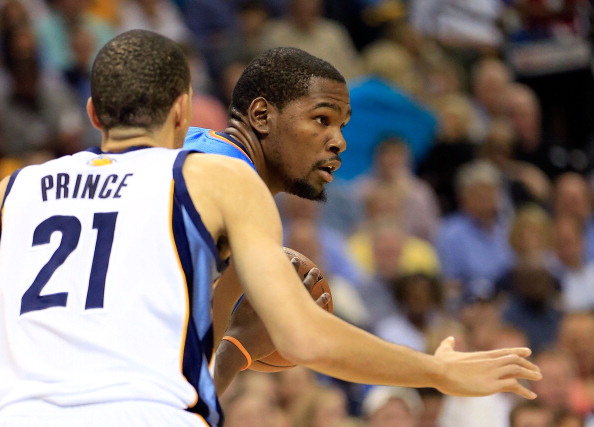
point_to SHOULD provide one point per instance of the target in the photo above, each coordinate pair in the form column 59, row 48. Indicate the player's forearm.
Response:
column 371, row 361
column 229, row 361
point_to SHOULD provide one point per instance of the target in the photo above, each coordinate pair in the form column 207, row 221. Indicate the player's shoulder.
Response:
column 217, row 165
column 221, row 178
column 195, row 134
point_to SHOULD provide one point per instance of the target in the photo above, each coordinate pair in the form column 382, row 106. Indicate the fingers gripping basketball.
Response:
column 275, row 362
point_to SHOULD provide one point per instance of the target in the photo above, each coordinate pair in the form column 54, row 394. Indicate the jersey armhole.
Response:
column 183, row 196
column 8, row 188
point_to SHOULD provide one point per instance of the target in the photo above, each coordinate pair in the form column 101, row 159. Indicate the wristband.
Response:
column 241, row 348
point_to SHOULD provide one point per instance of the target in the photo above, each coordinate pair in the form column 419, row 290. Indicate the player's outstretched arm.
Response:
column 307, row 334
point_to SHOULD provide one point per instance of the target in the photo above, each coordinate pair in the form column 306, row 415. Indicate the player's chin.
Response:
column 307, row 189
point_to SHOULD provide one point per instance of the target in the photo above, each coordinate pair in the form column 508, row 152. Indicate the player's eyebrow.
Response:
column 332, row 106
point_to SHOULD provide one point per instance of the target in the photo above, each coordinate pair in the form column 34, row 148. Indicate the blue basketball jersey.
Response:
column 210, row 141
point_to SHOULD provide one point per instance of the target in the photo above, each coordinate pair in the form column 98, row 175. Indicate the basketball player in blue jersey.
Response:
column 291, row 157
column 108, row 259
column 287, row 113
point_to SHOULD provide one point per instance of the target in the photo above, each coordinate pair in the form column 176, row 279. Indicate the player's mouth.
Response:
column 328, row 168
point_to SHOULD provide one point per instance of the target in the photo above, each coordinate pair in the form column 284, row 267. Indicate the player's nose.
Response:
column 337, row 143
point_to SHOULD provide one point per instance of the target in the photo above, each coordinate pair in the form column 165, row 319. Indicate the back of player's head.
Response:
column 280, row 75
column 135, row 79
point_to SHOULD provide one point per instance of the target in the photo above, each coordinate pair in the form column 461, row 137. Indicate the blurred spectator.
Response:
column 531, row 414
column 435, row 73
column 38, row 112
column 208, row 112
column 398, row 65
column 292, row 384
column 227, row 78
column 244, row 41
column 549, row 51
column 524, row 182
column 384, row 107
column 252, row 382
column 444, row 77
column 467, row 29
column 324, row 406
column 364, row 19
column 385, row 252
column 573, row 196
column 522, row 107
column 531, row 239
column 254, row 410
column 560, row 388
column 432, row 403
column 575, row 273
column 452, row 148
column 481, row 319
column 487, row 411
column 413, row 199
column 54, row 32
column 568, row 419
column 392, row 407
column 13, row 15
column 472, row 243
column 576, row 336
column 419, row 307
column 78, row 77
column 489, row 79
column 305, row 27
column 160, row 16
column 531, row 304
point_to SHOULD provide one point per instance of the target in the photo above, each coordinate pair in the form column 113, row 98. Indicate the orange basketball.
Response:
column 274, row 362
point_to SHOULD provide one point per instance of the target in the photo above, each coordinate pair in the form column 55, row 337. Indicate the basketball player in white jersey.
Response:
column 108, row 258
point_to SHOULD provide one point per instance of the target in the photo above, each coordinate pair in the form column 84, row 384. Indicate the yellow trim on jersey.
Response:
column 186, row 293
column 201, row 418
column 222, row 138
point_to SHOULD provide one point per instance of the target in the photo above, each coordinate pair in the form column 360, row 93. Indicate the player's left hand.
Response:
column 248, row 328
column 486, row 372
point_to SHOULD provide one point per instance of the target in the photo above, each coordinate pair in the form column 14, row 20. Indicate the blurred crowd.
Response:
column 464, row 206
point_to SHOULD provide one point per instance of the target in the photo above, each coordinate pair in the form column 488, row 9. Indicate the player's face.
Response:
column 306, row 139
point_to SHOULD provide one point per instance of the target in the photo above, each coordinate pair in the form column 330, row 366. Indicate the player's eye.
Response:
column 323, row 120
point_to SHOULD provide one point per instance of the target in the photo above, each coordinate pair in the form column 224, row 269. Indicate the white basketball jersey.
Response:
column 105, row 284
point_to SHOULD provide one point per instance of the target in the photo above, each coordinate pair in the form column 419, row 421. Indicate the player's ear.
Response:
column 93, row 114
column 259, row 115
column 182, row 109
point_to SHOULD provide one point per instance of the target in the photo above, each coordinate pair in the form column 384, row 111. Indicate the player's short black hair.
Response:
column 135, row 79
column 280, row 75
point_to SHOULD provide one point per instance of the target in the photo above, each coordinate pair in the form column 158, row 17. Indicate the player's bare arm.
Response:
column 226, row 293
column 322, row 341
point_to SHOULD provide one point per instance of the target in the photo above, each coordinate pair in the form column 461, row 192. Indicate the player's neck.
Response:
column 123, row 138
column 244, row 133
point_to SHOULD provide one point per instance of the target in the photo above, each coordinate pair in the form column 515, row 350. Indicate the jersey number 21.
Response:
column 70, row 228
